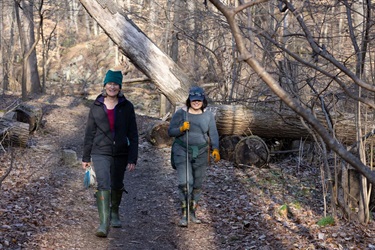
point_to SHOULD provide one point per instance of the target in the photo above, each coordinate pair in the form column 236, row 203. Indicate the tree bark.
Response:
column 267, row 122
column 13, row 133
column 33, row 79
column 31, row 114
column 157, row 134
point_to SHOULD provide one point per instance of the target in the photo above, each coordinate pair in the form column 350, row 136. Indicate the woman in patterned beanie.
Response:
column 195, row 131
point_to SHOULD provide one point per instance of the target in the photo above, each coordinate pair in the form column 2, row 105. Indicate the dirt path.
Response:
column 43, row 204
column 149, row 213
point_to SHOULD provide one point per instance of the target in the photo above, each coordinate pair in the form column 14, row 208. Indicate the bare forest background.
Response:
column 263, row 59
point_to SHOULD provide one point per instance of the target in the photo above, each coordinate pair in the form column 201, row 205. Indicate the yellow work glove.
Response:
column 185, row 126
column 216, row 155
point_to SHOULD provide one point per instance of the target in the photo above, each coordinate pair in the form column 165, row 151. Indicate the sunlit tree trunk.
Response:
column 32, row 79
column 22, row 43
column 88, row 25
column 171, row 46
column 359, row 22
column 4, row 60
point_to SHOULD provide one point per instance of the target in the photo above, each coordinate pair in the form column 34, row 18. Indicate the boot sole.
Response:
column 182, row 224
column 101, row 234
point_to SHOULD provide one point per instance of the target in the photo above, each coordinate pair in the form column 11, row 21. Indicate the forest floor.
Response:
column 43, row 204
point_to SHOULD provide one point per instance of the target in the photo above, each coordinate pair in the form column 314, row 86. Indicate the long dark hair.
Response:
column 205, row 103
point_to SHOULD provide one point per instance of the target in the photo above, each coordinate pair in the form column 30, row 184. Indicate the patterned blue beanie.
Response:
column 196, row 94
column 113, row 76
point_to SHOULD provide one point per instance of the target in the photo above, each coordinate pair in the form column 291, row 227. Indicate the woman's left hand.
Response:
column 216, row 155
column 131, row 166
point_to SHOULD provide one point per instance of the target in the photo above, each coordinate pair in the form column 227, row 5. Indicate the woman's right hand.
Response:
column 185, row 126
column 85, row 165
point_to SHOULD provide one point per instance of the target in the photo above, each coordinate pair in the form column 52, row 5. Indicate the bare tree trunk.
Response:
column 29, row 63
column 33, row 79
column 165, row 105
column 88, row 26
column 4, row 60
column 13, row 83
column 46, row 46
column 359, row 29
column 22, row 42
column 74, row 15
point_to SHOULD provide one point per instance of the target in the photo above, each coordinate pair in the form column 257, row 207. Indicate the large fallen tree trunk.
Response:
column 268, row 122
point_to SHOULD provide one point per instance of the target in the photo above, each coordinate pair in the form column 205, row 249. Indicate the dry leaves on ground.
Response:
column 43, row 204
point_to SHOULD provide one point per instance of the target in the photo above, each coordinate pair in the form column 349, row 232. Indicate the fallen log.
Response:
column 13, row 133
column 278, row 123
column 31, row 114
column 157, row 134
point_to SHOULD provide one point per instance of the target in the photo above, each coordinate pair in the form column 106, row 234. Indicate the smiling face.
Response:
column 112, row 89
column 196, row 105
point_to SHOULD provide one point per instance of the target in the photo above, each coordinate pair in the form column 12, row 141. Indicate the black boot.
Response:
column 193, row 209
column 183, row 222
column 102, row 200
column 116, row 196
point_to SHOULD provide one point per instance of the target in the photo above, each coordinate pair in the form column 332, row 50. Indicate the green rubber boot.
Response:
column 193, row 209
column 102, row 201
column 183, row 221
column 116, row 196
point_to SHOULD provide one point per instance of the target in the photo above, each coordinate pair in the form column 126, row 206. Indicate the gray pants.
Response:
column 197, row 172
column 109, row 171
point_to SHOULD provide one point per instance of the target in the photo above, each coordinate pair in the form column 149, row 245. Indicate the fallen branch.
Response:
column 7, row 172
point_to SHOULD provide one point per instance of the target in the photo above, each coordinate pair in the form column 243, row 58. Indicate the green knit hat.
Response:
column 113, row 76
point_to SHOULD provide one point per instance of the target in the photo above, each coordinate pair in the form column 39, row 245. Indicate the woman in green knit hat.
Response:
column 111, row 143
